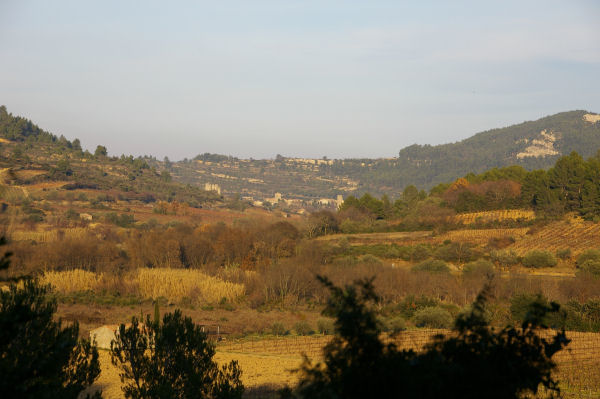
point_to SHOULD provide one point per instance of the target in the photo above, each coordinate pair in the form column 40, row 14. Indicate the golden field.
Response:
column 260, row 371
column 267, row 363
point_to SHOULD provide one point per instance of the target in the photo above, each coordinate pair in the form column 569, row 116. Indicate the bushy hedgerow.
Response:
column 303, row 328
column 564, row 253
column 433, row 317
column 393, row 325
column 325, row 326
column 411, row 304
column 537, row 259
column 479, row 267
column 504, row 258
column 590, row 254
column 279, row 329
column 432, row 266
column 590, row 267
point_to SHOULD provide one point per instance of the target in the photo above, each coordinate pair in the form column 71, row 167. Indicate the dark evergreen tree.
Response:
column 172, row 359
column 100, row 151
column 567, row 178
column 76, row 145
column 39, row 357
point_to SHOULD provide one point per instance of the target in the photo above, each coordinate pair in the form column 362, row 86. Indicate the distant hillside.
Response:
column 31, row 156
column 533, row 145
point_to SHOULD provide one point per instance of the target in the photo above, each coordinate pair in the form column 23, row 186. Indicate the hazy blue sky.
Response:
column 300, row 78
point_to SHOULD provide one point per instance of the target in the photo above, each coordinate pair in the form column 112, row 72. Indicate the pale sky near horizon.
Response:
column 298, row 78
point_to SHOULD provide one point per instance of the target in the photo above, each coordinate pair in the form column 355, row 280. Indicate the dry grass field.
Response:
column 267, row 363
column 261, row 372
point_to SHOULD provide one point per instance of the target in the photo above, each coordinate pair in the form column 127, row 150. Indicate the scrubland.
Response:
column 270, row 265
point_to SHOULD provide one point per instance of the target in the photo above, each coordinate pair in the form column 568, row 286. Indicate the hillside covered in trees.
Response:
column 533, row 145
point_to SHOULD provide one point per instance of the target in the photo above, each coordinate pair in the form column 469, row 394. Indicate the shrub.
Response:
column 405, row 252
column 394, row 325
column 590, row 254
column 524, row 307
column 370, row 259
column 279, row 329
column 411, row 304
column 564, row 253
column 172, row 359
column 433, row 317
column 537, row 259
column 456, row 252
column 504, row 258
column 349, row 260
column 123, row 220
column 33, row 218
column 432, row 266
column 583, row 316
column 303, row 328
column 590, row 267
column 71, row 214
column 325, row 326
column 419, row 253
column 351, row 227
column 322, row 223
column 478, row 268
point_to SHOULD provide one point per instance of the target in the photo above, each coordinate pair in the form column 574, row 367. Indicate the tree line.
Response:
column 571, row 185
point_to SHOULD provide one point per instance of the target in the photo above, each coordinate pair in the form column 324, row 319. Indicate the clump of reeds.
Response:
column 179, row 284
column 75, row 280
